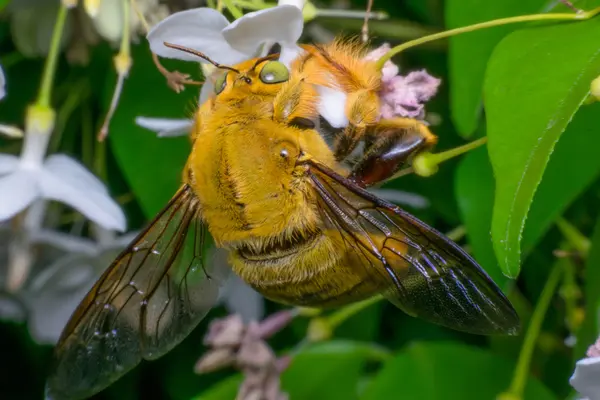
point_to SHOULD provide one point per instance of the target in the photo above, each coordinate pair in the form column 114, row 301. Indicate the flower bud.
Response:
column 276, row 322
column 319, row 330
column 122, row 63
column 69, row 3
column 214, row 360
column 225, row 332
column 425, row 164
column 39, row 119
column 91, row 7
column 595, row 88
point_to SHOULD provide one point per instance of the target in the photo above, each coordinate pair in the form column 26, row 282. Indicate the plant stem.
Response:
column 344, row 313
column 253, row 5
column 574, row 236
column 52, row 59
column 533, row 331
column 457, row 233
column 233, row 9
column 570, row 294
column 439, row 158
column 487, row 24
column 351, row 14
column 122, row 62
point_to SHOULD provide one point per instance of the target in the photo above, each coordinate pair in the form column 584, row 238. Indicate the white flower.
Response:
column 108, row 16
column 166, row 127
column 209, row 32
column 29, row 177
column 65, row 269
column 586, row 378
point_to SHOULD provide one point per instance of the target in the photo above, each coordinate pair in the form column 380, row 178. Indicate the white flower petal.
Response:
column 18, row 189
column 332, row 106
column 72, row 184
column 586, row 378
column 64, row 241
column 239, row 298
column 280, row 24
column 198, row 29
column 206, row 91
column 11, row 308
column 2, row 84
column 123, row 241
column 65, row 165
column 11, row 131
column 165, row 127
column 288, row 53
column 51, row 306
column 8, row 163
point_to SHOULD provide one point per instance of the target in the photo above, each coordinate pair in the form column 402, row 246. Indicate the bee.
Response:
column 277, row 176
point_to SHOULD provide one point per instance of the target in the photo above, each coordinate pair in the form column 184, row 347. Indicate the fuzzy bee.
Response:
column 276, row 178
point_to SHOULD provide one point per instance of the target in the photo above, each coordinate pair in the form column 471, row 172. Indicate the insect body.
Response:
column 276, row 177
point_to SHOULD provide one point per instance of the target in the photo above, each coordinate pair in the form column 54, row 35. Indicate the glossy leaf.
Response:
column 152, row 165
column 441, row 371
column 329, row 370
column 474, row 185
column 574, row 165
column 225, row 389
column 469, row 53
column 526, row 113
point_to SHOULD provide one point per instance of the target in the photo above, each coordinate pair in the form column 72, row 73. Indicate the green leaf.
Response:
column 469, row 53
column 329, row 370
column 226, row 389
column 528, row 105
column 574, row 165
column 363, row 326
column 444, row 371
column 151, row 165
column 474, row 185
column 590, row 328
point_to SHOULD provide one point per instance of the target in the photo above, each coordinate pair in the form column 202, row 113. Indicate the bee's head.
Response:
column 262, row 76
column 259, row 76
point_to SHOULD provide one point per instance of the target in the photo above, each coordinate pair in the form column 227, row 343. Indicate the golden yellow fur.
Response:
column 253, row 191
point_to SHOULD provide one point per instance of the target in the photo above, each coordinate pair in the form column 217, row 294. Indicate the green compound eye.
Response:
column 220, row 83
column 274, row 72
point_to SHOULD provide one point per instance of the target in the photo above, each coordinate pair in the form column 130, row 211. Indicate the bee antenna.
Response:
column 201, row 55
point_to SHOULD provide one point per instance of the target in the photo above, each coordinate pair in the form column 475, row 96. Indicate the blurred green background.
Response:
column 379, row 353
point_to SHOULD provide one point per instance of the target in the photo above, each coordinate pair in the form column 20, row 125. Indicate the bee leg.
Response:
column 389, row 145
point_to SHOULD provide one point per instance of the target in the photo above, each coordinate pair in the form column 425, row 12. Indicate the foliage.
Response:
column 529, row 196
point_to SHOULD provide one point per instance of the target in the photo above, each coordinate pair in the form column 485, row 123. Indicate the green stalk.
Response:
column 233, row 9
column 439, row 158
column 517, row 386
column 426, row 164
column 344, row 313
column 574, row 236
column 488, row 24
column 45, row 92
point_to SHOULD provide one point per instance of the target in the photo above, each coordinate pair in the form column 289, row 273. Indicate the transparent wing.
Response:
column 417, row 268
column 147, row 301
